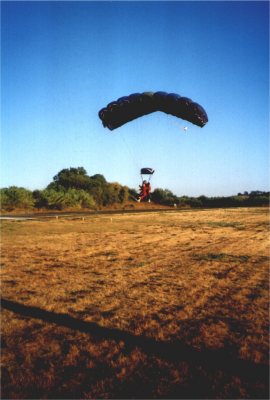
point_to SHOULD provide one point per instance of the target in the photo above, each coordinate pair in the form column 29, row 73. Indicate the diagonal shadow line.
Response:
column 175, row 351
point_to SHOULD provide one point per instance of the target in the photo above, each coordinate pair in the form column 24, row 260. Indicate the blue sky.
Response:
column 61, row 62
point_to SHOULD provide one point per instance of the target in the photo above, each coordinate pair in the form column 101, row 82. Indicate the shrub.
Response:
column 165, row 197
column 16, row 197
column 61, row 199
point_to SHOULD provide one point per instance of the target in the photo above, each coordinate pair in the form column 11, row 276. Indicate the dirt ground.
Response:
column 147, row 305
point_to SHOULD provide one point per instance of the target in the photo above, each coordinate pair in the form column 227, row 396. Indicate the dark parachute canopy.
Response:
column 128, row 108
column 147, row 171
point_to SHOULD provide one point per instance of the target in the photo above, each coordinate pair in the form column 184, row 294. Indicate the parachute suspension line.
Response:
column 145, row 179
column 131, row 154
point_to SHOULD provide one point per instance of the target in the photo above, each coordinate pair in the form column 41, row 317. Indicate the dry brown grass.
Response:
column 175, row 305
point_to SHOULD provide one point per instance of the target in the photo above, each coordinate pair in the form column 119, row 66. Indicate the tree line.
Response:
column 73, row 188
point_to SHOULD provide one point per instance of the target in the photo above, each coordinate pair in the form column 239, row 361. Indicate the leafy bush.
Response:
column 132, row 194
column 16, row 197
column 164, row 197
column 61, row 199
column 194, row 202
column 114, row 193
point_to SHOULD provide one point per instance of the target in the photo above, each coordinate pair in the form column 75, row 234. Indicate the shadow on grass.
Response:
column 225, row 359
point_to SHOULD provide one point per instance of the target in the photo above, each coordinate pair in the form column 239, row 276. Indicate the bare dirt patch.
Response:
column 153, row 305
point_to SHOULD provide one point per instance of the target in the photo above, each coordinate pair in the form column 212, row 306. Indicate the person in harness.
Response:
column 143, row 192
column 145, row 187
column 148, row 191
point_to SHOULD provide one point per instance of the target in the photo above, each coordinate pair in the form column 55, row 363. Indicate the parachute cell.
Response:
column 128, row 108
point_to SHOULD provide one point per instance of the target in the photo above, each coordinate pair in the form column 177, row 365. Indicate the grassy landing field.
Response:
column 152, row 305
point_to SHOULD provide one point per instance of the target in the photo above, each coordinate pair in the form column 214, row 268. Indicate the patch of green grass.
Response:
column 222, row 224
column 220, row 257
column 139, row 265
column 110, row 253
column 262, row 226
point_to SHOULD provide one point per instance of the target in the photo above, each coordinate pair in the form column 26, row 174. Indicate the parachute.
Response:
column 128, row 108
column 147, row 171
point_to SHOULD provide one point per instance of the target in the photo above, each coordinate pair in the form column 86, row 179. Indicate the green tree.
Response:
column 123, row 194
column 98, row 178
column 77, row 178
column 165, row 197
column 50, row 198
column 194, row 202
column 113, row 193
column 71, row 178
column 132, row 194
column 16, row 197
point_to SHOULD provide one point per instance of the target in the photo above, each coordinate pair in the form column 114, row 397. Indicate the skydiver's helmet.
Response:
column 144, row 181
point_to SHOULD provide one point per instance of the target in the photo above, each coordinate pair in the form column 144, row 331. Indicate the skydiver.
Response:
column 143, row 191
column 148, row 191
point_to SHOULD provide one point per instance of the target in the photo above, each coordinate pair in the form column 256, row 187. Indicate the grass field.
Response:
column 153, row 305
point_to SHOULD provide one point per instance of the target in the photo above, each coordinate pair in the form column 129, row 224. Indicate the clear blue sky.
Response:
column 63, row 61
